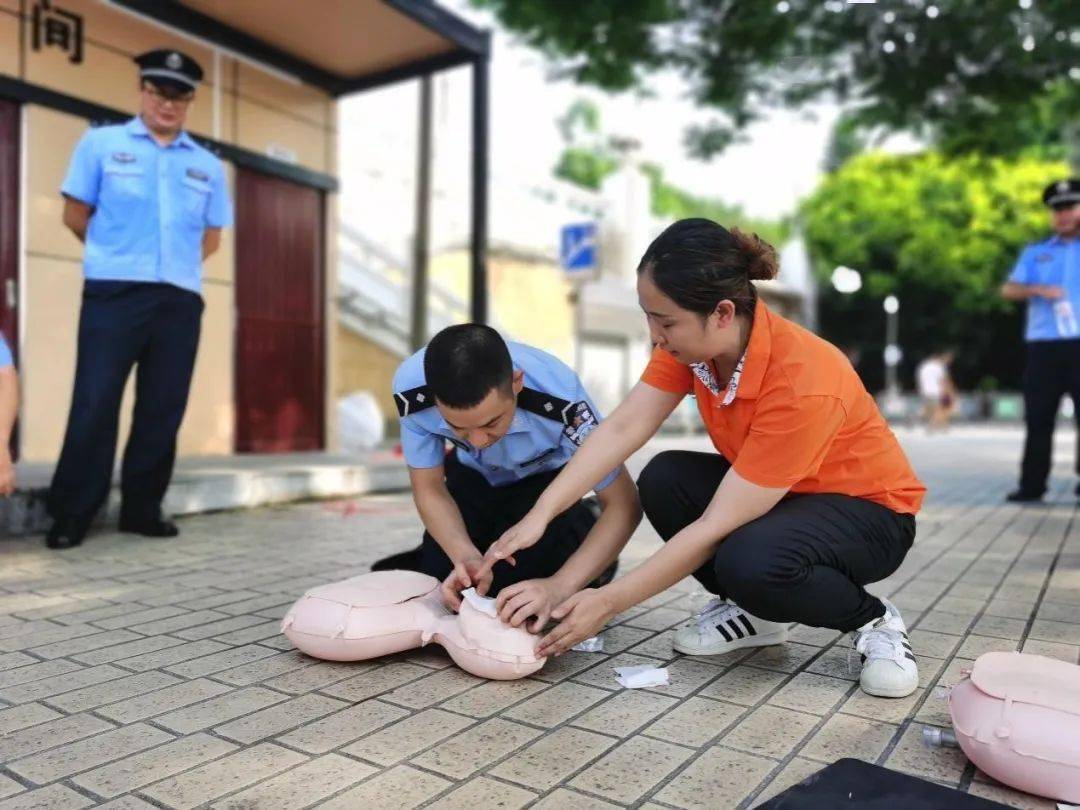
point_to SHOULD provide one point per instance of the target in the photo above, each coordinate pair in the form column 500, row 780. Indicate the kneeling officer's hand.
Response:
column 469, row 572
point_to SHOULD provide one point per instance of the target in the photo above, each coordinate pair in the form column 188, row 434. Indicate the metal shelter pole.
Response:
column 478, row 252
column 421, row 238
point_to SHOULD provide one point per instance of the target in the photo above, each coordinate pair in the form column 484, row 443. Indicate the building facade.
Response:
column 264, row 378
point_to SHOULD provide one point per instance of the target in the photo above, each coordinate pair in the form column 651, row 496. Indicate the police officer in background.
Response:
column 9, row 409
column 514, row 415
column 149, row 203
column 1047, row 277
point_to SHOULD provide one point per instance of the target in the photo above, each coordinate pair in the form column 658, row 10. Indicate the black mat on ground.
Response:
column 854, row 783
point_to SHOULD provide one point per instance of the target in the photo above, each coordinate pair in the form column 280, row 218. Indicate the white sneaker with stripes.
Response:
column 889, row 668
column 722, row 626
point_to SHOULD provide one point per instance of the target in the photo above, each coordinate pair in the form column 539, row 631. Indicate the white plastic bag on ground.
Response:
column 361, row 425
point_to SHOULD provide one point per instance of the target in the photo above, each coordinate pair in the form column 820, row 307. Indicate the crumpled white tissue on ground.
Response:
column 641, row 677
column 594, row 644
column 481, row 603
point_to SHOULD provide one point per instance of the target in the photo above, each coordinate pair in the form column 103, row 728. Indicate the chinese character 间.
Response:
column 54, row 27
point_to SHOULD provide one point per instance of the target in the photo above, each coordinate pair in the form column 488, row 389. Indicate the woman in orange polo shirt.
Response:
column 808, row 500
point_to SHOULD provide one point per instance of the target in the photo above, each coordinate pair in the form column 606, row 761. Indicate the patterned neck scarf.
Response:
column 704, row 372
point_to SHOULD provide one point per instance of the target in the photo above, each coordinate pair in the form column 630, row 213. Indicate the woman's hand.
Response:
column 581, row 616
column 533, row 597
column 468, row 573
column 521, row 535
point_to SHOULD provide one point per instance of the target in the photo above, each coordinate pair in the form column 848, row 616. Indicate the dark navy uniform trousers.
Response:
column 1053, row 370
column 489, row 511
column 125, row 324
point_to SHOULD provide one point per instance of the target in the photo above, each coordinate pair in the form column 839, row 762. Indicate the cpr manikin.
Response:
column 385, row 612
column 1017, row 717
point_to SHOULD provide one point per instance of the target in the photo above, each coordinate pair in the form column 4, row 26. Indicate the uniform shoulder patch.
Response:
column 413, row 401
column 580, row 423
column 577, row 418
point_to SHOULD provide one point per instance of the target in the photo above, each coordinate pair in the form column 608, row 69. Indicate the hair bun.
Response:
column 762, row 263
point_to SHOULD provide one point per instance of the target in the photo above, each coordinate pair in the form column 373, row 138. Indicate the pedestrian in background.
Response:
column 1047, row 278
column 937, row 390
column 150, row 204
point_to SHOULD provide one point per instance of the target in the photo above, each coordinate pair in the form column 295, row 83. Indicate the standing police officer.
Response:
column 1047, row 276
column 150, row 204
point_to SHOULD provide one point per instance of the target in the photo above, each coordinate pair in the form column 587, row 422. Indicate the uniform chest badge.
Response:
column 123, row 157
column 1044, row 257
column 195, row 174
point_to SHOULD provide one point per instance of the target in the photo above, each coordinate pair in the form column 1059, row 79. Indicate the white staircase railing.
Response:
column 374, row 294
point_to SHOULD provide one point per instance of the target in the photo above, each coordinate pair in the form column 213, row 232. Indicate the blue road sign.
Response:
column 578, row 247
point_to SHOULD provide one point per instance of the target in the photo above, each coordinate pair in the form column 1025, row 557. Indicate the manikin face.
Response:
column 487, row 422
column 164, row 108
column 687, row 336
column 1066, row 220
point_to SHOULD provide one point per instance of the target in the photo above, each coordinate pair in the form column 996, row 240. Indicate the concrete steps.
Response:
column 227, row 482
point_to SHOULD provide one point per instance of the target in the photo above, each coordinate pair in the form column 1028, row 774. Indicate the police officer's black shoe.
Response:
column 1019, row 496
column 155, row 527
column 65, row 533
column 405, row 561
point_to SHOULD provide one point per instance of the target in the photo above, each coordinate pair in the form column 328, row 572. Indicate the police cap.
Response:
column 169, row 68
column 1062, row 194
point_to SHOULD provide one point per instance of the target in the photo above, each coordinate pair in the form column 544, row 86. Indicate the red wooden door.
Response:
column 9, row 229
column 280, row 320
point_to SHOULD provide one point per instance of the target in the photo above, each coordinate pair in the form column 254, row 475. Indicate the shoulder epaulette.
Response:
column 413, row 401
column 546, row 405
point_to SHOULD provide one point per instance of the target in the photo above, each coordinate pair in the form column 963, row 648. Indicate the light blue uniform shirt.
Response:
column 5, row 354
column 151, row 204
column 535, row 443
column 1055, row 262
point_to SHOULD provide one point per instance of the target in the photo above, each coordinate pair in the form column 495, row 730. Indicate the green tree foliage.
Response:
column 939, row 232
column 587, row 158
column 846, row 140
column 585, row 166
column 983, row 74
